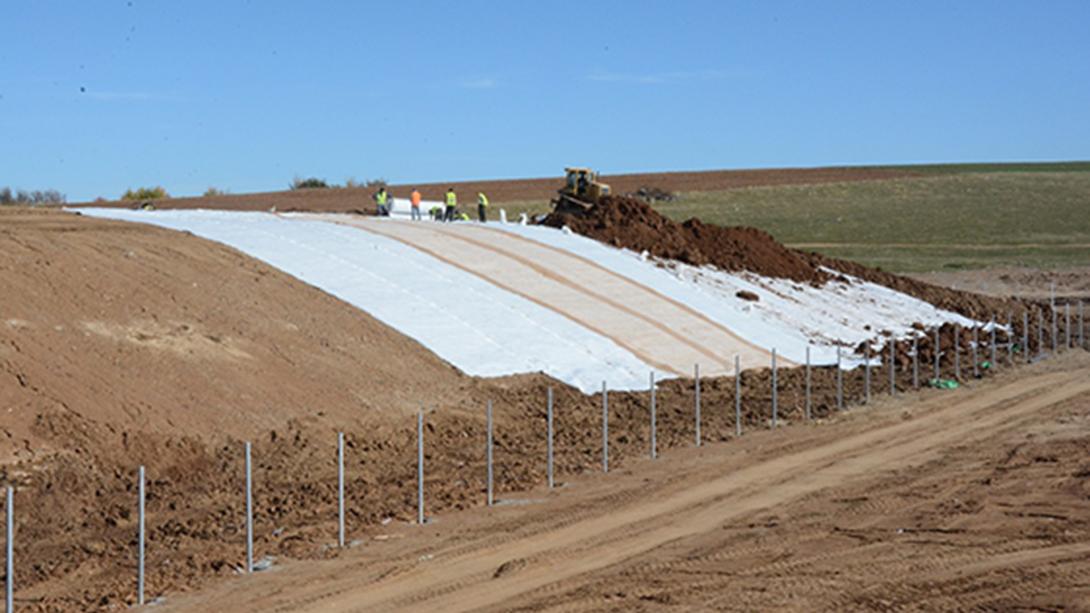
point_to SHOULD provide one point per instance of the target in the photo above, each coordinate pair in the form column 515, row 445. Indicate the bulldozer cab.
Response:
column 581, row 191
column 582, row 184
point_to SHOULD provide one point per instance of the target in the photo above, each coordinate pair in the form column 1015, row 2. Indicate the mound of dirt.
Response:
column 972, row 305
column 146, row 329
column 633, row 224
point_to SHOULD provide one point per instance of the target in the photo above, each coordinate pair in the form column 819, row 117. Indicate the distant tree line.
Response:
column 31, row 197
column 145, row 193
column 350, row 183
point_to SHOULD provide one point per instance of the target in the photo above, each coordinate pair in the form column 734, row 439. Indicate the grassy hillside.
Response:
column 945, row 217
column 942, row 221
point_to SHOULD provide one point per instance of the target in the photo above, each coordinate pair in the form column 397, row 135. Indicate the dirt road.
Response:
column 659, row 331
column 975, row 498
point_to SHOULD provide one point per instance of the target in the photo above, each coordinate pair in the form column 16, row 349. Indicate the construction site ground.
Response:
column 973, row 499
column 123, row 344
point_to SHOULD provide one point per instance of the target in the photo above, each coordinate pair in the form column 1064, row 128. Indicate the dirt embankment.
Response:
column 123, row 344
column 633, row 224
column 140, row 328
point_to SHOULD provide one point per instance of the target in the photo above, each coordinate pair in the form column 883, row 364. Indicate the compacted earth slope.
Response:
column 141, row 329
column 124, row 345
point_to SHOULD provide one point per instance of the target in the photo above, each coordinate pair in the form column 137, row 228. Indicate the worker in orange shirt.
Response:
column 415, row 200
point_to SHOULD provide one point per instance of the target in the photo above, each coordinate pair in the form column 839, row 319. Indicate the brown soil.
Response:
column 514, row 190
column 123, row 345
column 977, row 306
column 633, row 224
column 1069, row 284
column 137, row 328
column 970, row 500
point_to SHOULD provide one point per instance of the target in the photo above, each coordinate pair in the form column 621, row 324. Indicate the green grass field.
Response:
column 950, row 217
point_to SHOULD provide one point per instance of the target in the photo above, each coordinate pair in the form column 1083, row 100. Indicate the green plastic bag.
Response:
column 943, row 384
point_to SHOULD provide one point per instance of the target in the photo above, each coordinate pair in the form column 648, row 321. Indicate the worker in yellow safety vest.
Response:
column 482, row 207
column 452, row 204
column 382, row 200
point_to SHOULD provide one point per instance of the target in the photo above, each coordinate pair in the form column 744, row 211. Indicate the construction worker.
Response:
column 482, row 207
column 452, row 204
column 382, row 200
column 414, row 199
column 436, row 213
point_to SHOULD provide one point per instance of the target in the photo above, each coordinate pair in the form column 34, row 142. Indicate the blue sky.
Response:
column 245, row 95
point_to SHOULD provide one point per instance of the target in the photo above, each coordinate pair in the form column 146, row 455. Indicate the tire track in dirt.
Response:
column 782, row 568
column 557, row 558
column 621, row 546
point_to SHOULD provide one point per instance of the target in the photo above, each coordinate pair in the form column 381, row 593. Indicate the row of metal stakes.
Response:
column 550, row 475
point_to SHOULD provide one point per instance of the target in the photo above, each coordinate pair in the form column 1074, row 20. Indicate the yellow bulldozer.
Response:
column 581, row 190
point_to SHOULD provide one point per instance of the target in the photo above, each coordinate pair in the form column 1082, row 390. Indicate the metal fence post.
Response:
column 340, row 489
column 737, row 396
column 1052, row 305
column 1082, row 327
column 696, row 409
column 1055, row 332
column 420, row 468
column 892, row 366
column 957, row 351
column 1025, row 335
column 992, row 355
column 938, row 353
column 605, row 428
column 140, row 539
column 249, row 511
column 866, row 372
column 976, row 358
column 1067, row 325
column 775, row 398
column 915, row 361
column 654, row 449
column 1040, row 334
column 9, row 556
column 839, row 382
column 488, row 454
column 549, row 442
column 808, row 399
column 1010, row 338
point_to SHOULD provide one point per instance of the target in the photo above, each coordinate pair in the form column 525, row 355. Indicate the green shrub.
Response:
column 145, row 193
column 308, row 183
column 215, row 191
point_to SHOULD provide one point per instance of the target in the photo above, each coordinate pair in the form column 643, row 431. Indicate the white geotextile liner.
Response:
column 474, row 325
column 788, row 315
column 487, row 331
